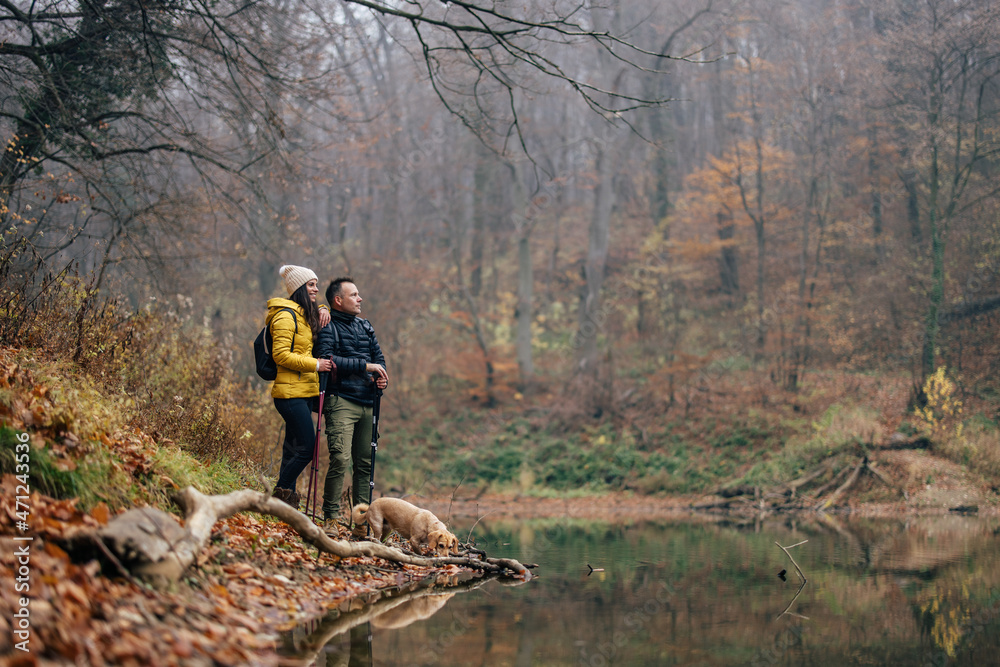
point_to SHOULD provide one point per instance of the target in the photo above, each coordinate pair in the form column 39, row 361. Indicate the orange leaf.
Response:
column 101, row 513
column 54, row 551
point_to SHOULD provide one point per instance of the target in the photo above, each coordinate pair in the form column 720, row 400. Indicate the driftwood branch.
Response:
column 817, row 493
column 794, row 485
column 832, row 498
column 870, row 467
column 901, row 442
column 801, row 576
column 153, row 545
column 797, row 568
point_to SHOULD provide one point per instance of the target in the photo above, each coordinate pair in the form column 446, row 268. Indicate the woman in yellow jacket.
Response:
column 293, row 322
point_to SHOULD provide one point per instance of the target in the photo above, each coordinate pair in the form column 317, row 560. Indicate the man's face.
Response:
column 348, row 300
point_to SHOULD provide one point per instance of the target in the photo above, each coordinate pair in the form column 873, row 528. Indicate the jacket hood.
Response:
column 276, row 304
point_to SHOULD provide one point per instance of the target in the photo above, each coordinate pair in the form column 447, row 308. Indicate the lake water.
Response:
column 924, row 591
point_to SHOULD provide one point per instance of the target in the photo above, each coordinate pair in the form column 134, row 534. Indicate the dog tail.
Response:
column 359, row 514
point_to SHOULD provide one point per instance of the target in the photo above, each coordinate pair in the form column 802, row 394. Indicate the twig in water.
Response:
column 801, row 576
column 594, row 569
column 797, row 568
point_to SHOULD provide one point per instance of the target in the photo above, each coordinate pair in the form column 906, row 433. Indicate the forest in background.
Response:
column 577, row 285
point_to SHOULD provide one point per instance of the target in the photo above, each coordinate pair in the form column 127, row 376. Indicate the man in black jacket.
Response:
column 349, row 401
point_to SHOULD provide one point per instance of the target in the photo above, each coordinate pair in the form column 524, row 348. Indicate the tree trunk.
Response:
column 932, row 324
column 729, row 275
column 592, row 316
column 525, row 283
column 873, row 171
column 523, row 225
column 478, row 237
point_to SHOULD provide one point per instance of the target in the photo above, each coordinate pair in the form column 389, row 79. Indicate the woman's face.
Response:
column 312, row 289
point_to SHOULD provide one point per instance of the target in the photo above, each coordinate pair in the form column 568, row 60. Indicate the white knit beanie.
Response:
column 295, row 277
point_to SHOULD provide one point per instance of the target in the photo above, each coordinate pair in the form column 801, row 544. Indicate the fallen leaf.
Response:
column 101, row 513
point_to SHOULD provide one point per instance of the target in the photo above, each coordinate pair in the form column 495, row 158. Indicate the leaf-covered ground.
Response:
column 254, row 580
column 86, row 462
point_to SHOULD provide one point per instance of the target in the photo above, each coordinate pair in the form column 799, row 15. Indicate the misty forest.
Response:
column 735, row 252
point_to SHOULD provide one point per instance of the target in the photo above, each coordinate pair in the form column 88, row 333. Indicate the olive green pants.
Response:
column 349, row 437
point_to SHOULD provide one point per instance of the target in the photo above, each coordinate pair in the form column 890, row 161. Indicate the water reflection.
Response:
column 703, row 592
column 344, row 636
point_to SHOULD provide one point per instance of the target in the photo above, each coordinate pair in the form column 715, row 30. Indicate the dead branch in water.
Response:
column 153, row 545
column 801, row 576
column 797, row 568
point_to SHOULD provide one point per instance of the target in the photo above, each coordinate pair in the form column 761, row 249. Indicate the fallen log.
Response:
column 833, row 481
column 794, row 485
column 733, row 492
column 899, row 441
column 151, row 543
column 870, row 467
column 832, row 498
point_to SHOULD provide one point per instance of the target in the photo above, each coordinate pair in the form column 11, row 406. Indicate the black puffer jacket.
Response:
column 357, row 347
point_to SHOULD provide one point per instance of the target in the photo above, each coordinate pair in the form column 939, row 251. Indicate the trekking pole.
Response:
column 376, row 405
column 313, row 493
column 376, row 408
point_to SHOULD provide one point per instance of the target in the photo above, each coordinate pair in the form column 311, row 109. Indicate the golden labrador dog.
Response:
column 419, row 526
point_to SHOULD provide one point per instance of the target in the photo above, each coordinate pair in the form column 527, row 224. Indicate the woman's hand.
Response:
column 324, row 317
column 324, row 365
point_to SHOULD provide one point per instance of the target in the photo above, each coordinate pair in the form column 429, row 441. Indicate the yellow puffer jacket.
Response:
column 297, row 376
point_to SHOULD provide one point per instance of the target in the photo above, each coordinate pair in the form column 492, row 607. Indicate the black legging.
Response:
column 300, row 439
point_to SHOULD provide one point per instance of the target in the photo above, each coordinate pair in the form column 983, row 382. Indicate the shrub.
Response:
column 943, row 408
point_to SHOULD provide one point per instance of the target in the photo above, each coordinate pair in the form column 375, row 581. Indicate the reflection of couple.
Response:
column 354, row 649
column 344, row 636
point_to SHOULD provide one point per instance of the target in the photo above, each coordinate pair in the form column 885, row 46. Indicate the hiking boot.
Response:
column 287, row 496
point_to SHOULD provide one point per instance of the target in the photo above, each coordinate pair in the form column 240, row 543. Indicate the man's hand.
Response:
column 381, row 377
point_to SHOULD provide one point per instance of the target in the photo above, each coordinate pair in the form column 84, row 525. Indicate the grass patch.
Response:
column 977, row 446
column 538, row 457
column 93, row 480
column 842, row 428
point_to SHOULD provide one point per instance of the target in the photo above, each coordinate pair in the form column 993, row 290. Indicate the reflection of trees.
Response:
column 944, row 616
column 388, row 609
column 920, row 550
column 877, row 582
